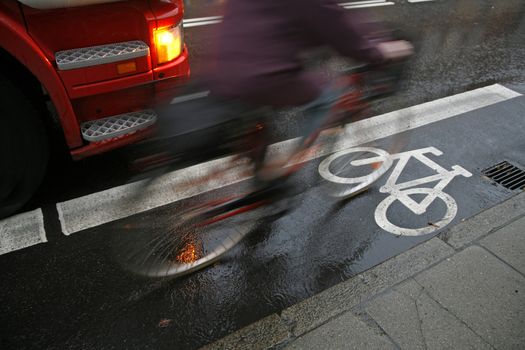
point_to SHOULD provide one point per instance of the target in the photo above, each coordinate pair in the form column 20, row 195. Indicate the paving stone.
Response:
column 396, row 313
column 483, row 292
column 509, row 244
column 344, row 332
column 415, row 321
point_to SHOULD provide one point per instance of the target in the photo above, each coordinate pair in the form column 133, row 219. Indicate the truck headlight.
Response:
column 169, row 43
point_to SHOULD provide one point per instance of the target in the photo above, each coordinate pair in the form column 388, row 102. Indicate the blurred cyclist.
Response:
column 260, row 42
column 256, row 64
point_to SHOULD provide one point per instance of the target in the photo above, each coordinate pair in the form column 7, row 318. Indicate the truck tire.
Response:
column 23, row 148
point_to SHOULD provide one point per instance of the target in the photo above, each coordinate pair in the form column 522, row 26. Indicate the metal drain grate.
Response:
column 507, row 175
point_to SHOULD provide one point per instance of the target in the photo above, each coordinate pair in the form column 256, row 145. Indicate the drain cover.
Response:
column 507, row 175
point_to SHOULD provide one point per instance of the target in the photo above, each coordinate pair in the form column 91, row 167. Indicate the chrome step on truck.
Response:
column 118, row 125
column 101, row 54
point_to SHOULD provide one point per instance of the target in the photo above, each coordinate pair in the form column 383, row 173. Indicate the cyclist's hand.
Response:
column 395, row 50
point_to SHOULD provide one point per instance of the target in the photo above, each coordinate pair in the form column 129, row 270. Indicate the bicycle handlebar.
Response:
column 378, row 81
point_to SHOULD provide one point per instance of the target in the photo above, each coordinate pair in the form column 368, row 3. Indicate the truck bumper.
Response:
column 150, row 90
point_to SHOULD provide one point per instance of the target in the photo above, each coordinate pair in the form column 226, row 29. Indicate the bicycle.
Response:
column 399, row 191
column 203, row 233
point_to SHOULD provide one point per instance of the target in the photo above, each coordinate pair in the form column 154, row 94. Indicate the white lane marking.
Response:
column 361, row 2
column 365, row 4
column 189, row 97
column 119, row 202
column 22, row 231
column 414, row 1
column 203, row 21
column 116, row 203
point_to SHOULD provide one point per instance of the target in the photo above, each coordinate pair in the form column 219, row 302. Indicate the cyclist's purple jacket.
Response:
column 260, row 42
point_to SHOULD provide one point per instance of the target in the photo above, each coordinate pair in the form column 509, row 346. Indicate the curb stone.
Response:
column 483, row 223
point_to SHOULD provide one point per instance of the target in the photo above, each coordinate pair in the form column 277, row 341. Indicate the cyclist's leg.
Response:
column 318, row 111
column 269, row 172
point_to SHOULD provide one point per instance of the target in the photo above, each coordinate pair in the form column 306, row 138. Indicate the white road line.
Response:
column 189, row 97
column 192, row 20
column 414, row 1
column 22, row 231
column 116, row 203
column 361, row 2
column 203, row 21
column 365, row 4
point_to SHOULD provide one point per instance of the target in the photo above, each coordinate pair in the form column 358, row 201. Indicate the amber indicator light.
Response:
column 128, row 67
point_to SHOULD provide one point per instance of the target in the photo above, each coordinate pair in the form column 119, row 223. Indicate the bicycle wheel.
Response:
column 194, row 240
column 382, row 220
column 352, row 171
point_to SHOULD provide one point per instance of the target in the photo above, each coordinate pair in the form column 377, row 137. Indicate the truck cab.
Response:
column 94, row 69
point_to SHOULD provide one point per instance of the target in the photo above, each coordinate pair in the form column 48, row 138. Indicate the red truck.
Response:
column 92, row 68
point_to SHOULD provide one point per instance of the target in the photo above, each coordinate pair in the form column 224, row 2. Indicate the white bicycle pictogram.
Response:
column 398, row 191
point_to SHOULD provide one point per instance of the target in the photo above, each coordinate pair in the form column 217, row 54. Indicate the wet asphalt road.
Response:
column 69, row 292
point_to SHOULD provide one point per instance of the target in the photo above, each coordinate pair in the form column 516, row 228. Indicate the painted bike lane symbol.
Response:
column 399, row 191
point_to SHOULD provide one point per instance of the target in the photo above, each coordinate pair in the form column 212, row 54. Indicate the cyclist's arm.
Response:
column 346, row 31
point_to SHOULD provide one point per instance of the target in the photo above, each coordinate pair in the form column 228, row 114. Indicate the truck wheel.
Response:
column 23, row 148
